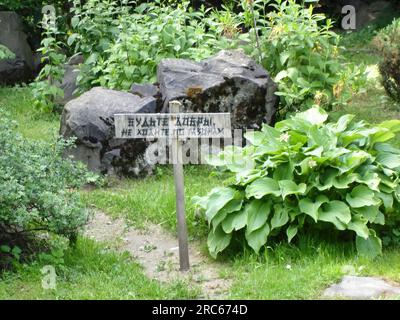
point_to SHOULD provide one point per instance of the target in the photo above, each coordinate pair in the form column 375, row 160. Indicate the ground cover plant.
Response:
column 37, row 191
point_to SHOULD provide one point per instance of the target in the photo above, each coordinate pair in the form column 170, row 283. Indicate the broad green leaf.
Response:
column 386, row 198
column 280, row 216
column 299, row 125
column 284, row 171
column 361, row 196
column 389, row 160
column 371, row 179
column 232, row 206
column 234, row 221
column 255, row 137
column 289, row 187
column 311, row 208
column 343, row 123
column 359, row 225
column 313, row 115
column 380, row 219
column 262, row 187
column 200, row 201
column 217, row 199
column 284, row 56
column 258, row 238
column 291, row 232
column 370, row 247
column 257, row 214
column 370, row 213
column 343, row 181
column 392, row 125
column 336, row 212
column 217, row 241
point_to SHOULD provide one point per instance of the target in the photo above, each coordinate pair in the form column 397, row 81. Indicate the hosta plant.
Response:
column 307, row 173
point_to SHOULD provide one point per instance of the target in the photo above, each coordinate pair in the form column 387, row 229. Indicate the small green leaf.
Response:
column 291, row 232
column 258, row 238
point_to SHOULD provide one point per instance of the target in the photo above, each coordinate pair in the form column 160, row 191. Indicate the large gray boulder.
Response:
column 228, row 82
column 20, row 69
column 90, row 118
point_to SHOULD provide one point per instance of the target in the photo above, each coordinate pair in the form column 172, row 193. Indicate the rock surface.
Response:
column 355, row 287
column 90, row 118
column 69, row 84
column 14, row 71
column 148, row 90
column 21, row 68
column 228, row 82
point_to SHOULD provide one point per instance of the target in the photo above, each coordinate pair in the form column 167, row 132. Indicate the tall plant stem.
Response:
column 255, row 30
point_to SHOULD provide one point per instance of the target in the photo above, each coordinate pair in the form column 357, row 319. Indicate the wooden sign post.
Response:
column 175, row 126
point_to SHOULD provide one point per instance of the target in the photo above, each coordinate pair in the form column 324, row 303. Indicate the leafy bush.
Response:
column 37, row 189
column 388, row 43
column 45, row 89
column 122, row 47
column 299, row 49
column 307, row 173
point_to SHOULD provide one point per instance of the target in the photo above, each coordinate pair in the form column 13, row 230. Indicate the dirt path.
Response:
column 157, row 251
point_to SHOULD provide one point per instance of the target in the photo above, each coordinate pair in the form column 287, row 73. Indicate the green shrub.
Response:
column 37, row 189
column 45, row 89
column 307, row 173
column 6, row 53
column 388, row 44
column 123, row 46
column 301, row 51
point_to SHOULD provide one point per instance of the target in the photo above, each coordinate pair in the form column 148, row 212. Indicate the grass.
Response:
column 297, row 271
column 89, row 271
column 153, row 199
column 305, row 269
column 18, row 103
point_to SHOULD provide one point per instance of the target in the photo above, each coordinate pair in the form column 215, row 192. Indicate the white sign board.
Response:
column 169, row 125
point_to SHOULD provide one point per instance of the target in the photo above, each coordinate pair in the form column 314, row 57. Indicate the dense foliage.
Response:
column 305, row 173
column 122, row 43
column 388, row 43
column 46, row 89
column 122, row 46
column 37, row 188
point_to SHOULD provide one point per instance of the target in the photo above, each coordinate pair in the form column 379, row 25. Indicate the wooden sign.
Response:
column 175, row 126
column 181, row 125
